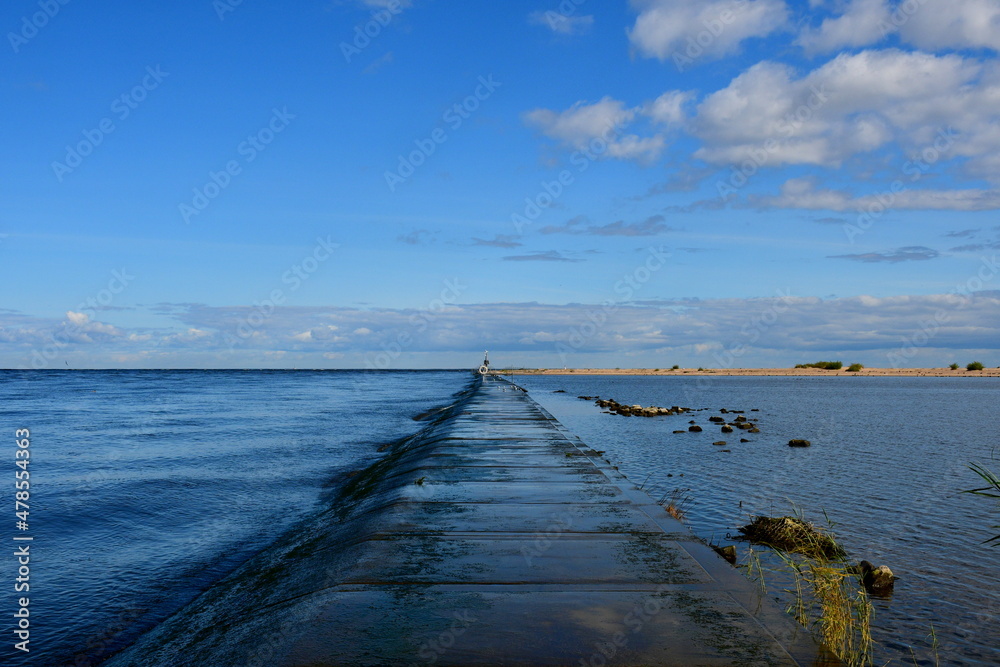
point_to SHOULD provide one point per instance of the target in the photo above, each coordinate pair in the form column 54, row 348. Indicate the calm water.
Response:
column 147, row 486
column 888, row 461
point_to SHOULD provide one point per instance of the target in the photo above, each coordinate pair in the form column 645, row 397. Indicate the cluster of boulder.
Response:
column 617, row 408
column 740, row 422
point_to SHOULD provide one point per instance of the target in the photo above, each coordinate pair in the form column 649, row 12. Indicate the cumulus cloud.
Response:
column 576, row 127
column 562, row 24
column 932, row 25
column 951, row 24
column 665, row 28
column 862, row 23
column 942, row 106
column 669, row 108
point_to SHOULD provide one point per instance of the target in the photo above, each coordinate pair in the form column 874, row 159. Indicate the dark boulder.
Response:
column 694, row 429
column 876, row 580
column 797, row 442
column 728, row 553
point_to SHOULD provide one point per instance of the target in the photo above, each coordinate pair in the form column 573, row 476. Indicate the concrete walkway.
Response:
column 495, row 537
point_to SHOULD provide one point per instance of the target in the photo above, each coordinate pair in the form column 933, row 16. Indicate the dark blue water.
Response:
column 888, row 462
column 148, row 486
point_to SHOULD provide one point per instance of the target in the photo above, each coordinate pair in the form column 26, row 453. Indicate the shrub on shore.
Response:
column 825, row 365
column 953, row 367
column 854, row 368
column 974, row 366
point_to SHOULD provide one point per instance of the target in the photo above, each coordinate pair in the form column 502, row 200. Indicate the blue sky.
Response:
column 401, row 184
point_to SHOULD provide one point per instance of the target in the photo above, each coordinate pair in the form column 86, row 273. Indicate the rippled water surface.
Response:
column 147, row 486
column 888, row 460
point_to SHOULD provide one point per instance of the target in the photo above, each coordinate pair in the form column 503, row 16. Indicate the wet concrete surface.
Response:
column 493, row 537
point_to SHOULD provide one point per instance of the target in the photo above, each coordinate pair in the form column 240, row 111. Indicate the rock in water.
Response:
column 876, row 580
column 729, row 553
column 727, row 429
column 799, row 443
column 694, row 429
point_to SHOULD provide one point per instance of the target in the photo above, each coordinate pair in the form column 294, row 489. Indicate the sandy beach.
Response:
column 806, row 372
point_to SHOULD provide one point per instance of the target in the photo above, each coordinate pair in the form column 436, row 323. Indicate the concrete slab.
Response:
column 493, row 537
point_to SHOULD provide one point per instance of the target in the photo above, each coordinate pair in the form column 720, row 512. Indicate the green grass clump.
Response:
column 854, row 368
column 974, row 366
column 991, row 490
column 829, row 597
column 953, row 367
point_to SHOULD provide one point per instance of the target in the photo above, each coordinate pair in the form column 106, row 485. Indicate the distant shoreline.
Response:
column 791, row 372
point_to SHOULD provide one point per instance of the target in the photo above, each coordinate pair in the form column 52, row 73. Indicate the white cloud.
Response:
column 605, row 120
column 876, row 324
column 79, row 319
column 853, row 105
column 951, row 24
column 932, row 25
column 562, row 24
column 801, row 193
column 716, row 27
column 669, row 108
column 862, row 23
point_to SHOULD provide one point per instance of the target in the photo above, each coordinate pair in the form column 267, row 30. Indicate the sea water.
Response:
column 148, row 486
column 887, row 467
